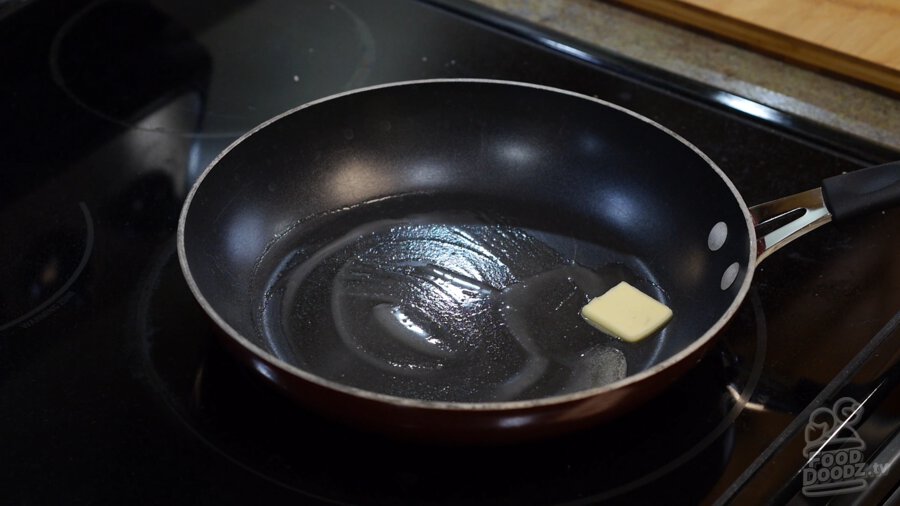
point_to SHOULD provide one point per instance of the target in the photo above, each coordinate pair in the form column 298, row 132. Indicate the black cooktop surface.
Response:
column 114, row 391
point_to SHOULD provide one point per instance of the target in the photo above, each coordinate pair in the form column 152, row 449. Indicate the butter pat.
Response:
column 627, row 313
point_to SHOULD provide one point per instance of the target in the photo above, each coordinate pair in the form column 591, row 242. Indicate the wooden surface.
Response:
column 856, row 38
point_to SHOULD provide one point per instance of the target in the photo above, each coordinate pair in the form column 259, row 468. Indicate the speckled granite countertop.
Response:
column 840, row 104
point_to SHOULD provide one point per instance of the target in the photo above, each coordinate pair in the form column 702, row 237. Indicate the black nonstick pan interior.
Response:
column 435, row 241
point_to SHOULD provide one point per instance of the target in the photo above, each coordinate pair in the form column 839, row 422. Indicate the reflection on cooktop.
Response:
column 205, row 66
column 689, row 429
column 37, row 274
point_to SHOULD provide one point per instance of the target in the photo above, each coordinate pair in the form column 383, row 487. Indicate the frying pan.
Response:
column 413, row 257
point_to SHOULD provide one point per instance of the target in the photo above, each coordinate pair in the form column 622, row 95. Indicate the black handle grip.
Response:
column 862, row 191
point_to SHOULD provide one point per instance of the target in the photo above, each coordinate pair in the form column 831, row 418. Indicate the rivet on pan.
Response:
column 717, row 236
column 729, row 276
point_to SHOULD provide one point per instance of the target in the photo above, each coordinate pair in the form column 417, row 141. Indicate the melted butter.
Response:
column 445, row 307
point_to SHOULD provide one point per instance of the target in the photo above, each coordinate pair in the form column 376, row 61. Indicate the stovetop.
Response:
column 114, row 391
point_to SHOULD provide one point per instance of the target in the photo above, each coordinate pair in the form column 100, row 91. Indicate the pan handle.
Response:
column 840, row 197
column 862, row 191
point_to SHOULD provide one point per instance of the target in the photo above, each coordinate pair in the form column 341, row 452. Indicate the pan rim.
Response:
column 285, row 367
